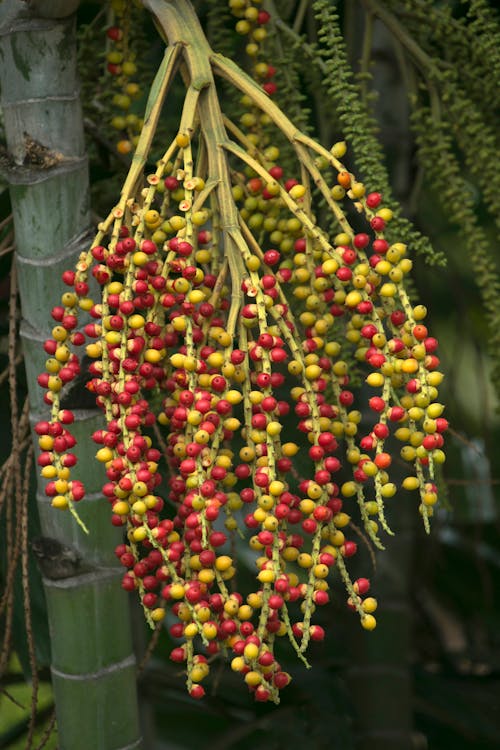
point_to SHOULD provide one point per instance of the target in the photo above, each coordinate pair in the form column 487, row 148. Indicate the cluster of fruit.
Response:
column 251, row 23
column 121, row 65
column 222, row 291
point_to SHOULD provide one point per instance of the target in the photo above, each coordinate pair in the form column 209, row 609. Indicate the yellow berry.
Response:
column 339, row 149
column 266, row 576
column 410, row 483
column 60, row 502
column 368, row 622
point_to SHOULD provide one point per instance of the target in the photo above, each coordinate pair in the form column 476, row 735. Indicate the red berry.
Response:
column 270, row 87
column 377, row 403
column 255, row 185
column 114, row 33
column 361, row 240
column 373, row 200
column 171, row 183
column 398, row 318
column 69, row 277
column 317, row 633
column 276, row 172
column 377, row 224
column 380, row 246
column 349, row 549
column 361, row 586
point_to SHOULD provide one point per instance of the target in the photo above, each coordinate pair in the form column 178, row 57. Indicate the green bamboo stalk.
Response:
column 93, row 667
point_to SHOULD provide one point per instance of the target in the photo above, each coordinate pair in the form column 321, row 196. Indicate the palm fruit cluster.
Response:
column 121, row 67
column 230, row 317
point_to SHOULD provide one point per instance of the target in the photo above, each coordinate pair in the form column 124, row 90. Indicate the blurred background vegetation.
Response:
column 412, row 85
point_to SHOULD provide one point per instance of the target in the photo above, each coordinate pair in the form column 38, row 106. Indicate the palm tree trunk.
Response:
column 93, row 667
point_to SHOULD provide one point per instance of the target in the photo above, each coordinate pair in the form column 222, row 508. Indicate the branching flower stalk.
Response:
column 247, row 346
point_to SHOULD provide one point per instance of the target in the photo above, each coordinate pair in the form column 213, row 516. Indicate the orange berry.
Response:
column 382, row 460
column 124, row 146
column 344, row 179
